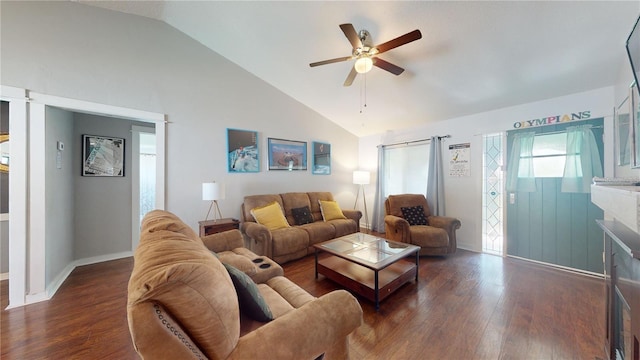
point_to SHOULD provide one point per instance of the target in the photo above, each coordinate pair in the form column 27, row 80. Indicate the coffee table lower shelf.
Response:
column 362, row 280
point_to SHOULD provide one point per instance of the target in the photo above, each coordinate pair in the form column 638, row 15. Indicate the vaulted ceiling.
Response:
column 474, row 56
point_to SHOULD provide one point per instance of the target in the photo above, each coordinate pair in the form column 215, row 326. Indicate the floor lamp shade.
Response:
column 213, row 191
column 361, row 177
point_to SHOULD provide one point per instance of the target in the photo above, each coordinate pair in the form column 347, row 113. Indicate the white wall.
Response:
column 59, row 193
column 82, row 52
column 463, row 195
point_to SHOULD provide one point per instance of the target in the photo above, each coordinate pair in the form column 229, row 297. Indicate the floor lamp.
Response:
column 213, row 192
column 362, row 178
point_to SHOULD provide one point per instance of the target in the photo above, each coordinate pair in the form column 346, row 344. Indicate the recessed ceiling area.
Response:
column 474, row 56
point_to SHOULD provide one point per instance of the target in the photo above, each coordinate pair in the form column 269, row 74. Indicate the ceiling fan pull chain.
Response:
column 363, row 90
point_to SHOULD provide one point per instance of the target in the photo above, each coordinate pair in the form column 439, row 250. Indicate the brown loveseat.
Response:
column 296, row 241
column 182, row 303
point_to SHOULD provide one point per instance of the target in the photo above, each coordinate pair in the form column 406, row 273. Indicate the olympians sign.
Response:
column 550, row 120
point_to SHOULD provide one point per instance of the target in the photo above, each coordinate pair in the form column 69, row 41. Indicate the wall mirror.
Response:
column 623, row 133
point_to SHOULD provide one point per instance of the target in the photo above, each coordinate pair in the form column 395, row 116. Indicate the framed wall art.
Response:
column 243, row 155
column 287, row 154
column 102, row 156
column 321, row 159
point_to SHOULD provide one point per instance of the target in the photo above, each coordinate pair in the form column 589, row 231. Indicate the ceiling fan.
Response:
column 366, row 55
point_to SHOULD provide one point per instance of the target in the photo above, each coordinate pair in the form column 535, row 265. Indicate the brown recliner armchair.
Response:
column 437, row 237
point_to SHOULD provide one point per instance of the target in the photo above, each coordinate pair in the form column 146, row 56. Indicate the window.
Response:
column 406, row 168
column 549, row 154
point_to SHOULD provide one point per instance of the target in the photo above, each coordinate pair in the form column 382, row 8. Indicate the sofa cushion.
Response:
column 331, row 210
column 414, row 215
column 239, row 262
column 270, row 216
column 344, row 226
column 289, row 241
column 251, row 302
column 302, row 215
column 429, row 236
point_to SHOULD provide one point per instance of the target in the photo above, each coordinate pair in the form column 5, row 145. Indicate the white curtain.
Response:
column 377, row 223
column 583, row 160
column 520, row 176
column 435, row 182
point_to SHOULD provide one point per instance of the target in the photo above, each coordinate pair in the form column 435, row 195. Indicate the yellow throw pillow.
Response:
column 270, row 216
column 330, row 210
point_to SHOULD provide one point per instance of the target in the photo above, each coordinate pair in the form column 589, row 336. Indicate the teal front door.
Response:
column 549, row 225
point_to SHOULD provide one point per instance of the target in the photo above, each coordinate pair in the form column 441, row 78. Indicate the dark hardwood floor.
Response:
column 465, row 306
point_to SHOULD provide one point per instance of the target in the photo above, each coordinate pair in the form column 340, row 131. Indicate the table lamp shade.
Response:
column 212, row 191
column 361, row 177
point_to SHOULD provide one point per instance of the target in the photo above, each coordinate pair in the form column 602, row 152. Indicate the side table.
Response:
column 215, row 226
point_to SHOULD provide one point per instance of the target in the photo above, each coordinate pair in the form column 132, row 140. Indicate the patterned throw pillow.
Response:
column 302, row 215
column 414, row 215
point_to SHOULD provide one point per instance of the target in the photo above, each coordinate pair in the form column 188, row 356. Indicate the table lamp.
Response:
column 213, row 192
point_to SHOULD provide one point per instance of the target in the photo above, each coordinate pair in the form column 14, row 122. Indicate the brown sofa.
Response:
column 297, row 241
column 182, row 303
column 438, row 237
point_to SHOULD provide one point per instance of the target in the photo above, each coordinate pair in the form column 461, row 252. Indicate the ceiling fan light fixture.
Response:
column 363, row 65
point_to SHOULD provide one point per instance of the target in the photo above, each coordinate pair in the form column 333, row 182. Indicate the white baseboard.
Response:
column 468, row 248
column 4, row 276
column 57, row 282
column 64, row 274
column 103, row 258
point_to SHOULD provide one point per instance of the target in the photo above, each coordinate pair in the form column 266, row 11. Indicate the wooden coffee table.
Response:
column 367, row 265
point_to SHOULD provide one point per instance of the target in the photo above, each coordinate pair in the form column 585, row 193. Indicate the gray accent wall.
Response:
column 102, row 204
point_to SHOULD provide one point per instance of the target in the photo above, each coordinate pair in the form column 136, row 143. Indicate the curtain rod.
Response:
column 415, row 141
column 557, row 131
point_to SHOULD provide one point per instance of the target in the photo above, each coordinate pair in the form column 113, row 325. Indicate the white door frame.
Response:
column 18, row 192
column 23, row 291
column 135, row 181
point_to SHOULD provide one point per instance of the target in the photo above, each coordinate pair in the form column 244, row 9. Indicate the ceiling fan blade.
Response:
column 351, row 34
column 331, row 61
column 350, row 77
column 385, row 65
column 400, row 40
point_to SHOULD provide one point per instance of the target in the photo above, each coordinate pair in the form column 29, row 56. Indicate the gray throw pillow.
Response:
column 302, row 215
column 251, row 302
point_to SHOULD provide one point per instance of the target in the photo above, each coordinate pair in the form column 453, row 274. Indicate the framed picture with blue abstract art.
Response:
column 243, row 155
column 287, row 154
column 321, row 159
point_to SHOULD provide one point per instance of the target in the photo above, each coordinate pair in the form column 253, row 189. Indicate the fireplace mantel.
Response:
column 619, row 202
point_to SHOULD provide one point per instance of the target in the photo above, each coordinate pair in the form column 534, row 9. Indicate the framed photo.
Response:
column 321, row 159
column 287, row 154
column 243, row 155
column 102, row 156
